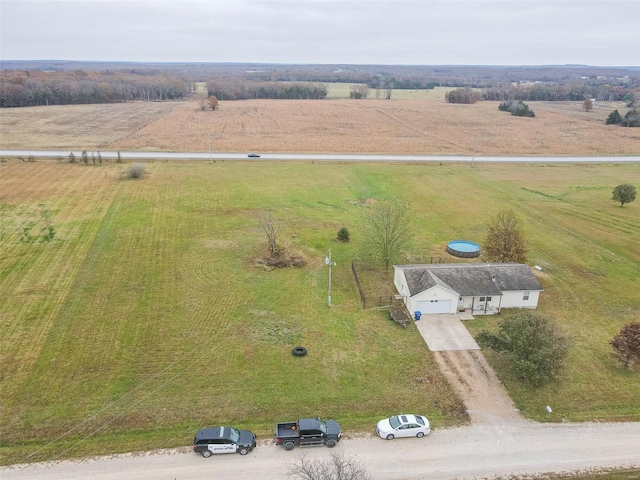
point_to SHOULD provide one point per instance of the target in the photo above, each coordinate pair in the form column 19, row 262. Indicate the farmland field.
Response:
column 410, row 125
column 149, row 306
column 148, row 314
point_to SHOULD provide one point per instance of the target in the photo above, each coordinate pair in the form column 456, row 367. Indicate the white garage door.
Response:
column 434, row 306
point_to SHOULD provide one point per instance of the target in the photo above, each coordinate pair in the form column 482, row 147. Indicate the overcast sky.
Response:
column 424, row 32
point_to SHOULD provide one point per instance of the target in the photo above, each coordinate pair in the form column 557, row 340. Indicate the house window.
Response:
column 482, row 299
column 525, row 296
column 488, row 299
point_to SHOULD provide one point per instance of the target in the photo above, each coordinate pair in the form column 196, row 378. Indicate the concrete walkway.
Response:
column 445, row 332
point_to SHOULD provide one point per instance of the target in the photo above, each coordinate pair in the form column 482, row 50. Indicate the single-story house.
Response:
column 479, row 288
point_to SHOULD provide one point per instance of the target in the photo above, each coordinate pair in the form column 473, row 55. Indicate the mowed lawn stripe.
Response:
column 37, row 276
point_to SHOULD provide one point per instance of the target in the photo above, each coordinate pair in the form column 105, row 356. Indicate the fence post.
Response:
column 355, row 276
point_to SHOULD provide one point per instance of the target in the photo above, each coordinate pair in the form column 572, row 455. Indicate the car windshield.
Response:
column 394, row 422
column 234, row 435
column 323, row 426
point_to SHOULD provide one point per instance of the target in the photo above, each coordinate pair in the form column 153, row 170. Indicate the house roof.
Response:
column 470, row 279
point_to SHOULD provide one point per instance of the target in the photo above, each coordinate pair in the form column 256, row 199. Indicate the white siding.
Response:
column 400, row 283
column 514, row 299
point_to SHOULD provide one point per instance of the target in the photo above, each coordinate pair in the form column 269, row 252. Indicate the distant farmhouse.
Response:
column 478, row 288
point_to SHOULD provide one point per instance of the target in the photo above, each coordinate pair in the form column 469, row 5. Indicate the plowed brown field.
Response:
column 396, row 126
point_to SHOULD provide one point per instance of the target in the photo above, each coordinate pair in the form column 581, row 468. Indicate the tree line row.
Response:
column 232, row 89
column 24, row 88
column 18, row 89
column 549, row 93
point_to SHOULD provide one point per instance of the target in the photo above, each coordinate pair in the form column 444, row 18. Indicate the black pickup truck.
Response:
column 307, row 432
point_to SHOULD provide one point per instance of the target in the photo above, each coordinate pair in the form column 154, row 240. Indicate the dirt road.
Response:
column 474, row 451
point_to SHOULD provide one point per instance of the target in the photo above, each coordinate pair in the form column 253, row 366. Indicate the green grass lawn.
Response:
column 148, row 316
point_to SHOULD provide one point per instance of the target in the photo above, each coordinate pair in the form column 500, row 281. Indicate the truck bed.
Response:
column 284, row 430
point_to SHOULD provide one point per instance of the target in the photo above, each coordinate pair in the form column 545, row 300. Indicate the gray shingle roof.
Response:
column 470, row 279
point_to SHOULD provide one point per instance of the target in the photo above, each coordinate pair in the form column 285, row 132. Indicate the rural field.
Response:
column 149, row 315
column 415, row 124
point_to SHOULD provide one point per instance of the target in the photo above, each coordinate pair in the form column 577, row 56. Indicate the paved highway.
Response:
column 316, row 157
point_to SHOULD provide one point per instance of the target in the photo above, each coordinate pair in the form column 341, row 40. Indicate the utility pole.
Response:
column 209, row 141
column 329, row 263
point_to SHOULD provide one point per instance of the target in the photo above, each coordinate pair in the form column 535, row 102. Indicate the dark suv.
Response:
column 210, row 441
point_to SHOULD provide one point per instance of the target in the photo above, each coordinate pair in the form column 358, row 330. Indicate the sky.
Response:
column 386, row 32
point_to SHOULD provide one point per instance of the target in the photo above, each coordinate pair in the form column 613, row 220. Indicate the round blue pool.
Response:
column 463, row 249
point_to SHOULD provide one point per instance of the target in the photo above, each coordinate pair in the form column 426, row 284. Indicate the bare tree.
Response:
column 203, row 101
column 588, row 104
column 387, row 91
column 626, row 345
column 386, row 231
column 359, row 91
column 337, row 467
column 271, row 228
column 505, row 241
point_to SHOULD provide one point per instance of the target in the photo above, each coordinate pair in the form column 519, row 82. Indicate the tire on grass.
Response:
column 299, row 351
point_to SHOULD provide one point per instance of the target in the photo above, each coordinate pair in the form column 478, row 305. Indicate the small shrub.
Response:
column 632, row 118
column 136, row 170
column 516, row 108
column 614, row 118
column 72, row 158
column 343, row 235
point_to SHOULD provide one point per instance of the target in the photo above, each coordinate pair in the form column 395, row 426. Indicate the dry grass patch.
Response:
column 89, row 127
column 380, row 126
column 398, row 126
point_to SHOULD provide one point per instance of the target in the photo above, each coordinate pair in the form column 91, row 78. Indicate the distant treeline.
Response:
column 236, row 89
column 20, row 88
column 557, row 92
column 28, row 88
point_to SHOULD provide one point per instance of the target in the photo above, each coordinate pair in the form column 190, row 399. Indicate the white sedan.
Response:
column 403, row 426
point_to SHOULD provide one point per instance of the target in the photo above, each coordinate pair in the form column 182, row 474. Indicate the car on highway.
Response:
column 212, row 441
column 403, row 426
column 253, row 155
